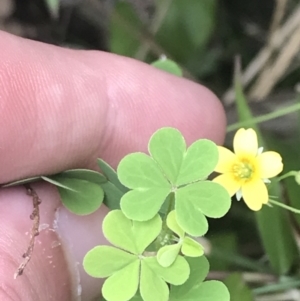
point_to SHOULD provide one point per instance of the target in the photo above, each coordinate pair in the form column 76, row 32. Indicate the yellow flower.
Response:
column 246, row 171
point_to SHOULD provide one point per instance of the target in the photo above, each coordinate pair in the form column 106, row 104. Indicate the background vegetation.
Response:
column 257, row 255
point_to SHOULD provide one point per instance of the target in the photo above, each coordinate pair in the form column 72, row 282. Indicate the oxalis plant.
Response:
column 159, row 205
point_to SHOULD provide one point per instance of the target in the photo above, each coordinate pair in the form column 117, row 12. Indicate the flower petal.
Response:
column 226, row 159
column 245, row 142
column 228, row 182
column 270, row 164
column 255, row 194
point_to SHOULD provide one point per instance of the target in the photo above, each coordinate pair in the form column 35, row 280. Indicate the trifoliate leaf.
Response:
column 167, row 254
column 143, row 205
column 196, row 200
column 132, row 236
column 140, row 171
column 122, row 285
column 206, row 291
column 175, row 274
column 173, row 225
column 191, row 248
column 167, row 147
column 152, row 287
column 194, row 289
column 80, row 196
column 199, row 268
column 199, row 162
column 153, row 277
column 170, row 168
column 100, row 262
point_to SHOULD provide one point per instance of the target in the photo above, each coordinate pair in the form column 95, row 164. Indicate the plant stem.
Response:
column 265, row 117
column 166, row 234
column 292, row 209
column 291, row 173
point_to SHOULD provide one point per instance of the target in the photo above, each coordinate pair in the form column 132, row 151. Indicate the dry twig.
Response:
column 35, row 216
column 277, row 41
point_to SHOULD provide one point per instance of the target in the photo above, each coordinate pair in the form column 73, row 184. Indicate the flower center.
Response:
column 243, row 169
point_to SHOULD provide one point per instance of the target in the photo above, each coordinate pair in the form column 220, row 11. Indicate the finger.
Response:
column 62, row 108
column 54, row 271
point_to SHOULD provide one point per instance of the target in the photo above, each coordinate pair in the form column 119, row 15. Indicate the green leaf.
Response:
column 168, row 254
column 112, row 195
column 168, row 66
column 84, row 174
column 79, row 196
column 111, row 175
column 173, row 225
column 186, row 29
column 21, row 182
column 122, row 285
column 143, row 205
column 199, row 268
column 191, row 248
column 56, row 183
column 152, row 287
column 100, row 262
column 132, row 236
column 140, row 171
column 125, row 29
column 199, row 162
column 167, row 147
column 175, row 274
column 237, row 288
column 206, row 291
column 196, row 200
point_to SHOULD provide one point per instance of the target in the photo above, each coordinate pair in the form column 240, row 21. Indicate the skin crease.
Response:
column 61, row 109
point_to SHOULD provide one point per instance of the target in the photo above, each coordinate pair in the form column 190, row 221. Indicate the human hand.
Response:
column 62, row 109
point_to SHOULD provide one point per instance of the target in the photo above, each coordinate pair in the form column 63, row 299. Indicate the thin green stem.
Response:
column 291, row 173
column 166, row 234
column 170, row 208
column 292, row 209
column 272, row 288
column 265, row 117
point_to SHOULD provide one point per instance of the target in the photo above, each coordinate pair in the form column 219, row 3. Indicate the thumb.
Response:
column 62, row 109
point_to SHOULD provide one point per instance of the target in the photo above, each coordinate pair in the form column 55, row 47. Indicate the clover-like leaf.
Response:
column 141, row 173
column 123, row 284
column 191, row 248
column 100, row 262
column 80, row 190
column 132, row 236
column 199, row 162
column 168, row 254
column 170, row 169
column 173, row 225
column 129, row 268
column 195, row 289
column 167, row 147
column 196, row 200
column 199, row 268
